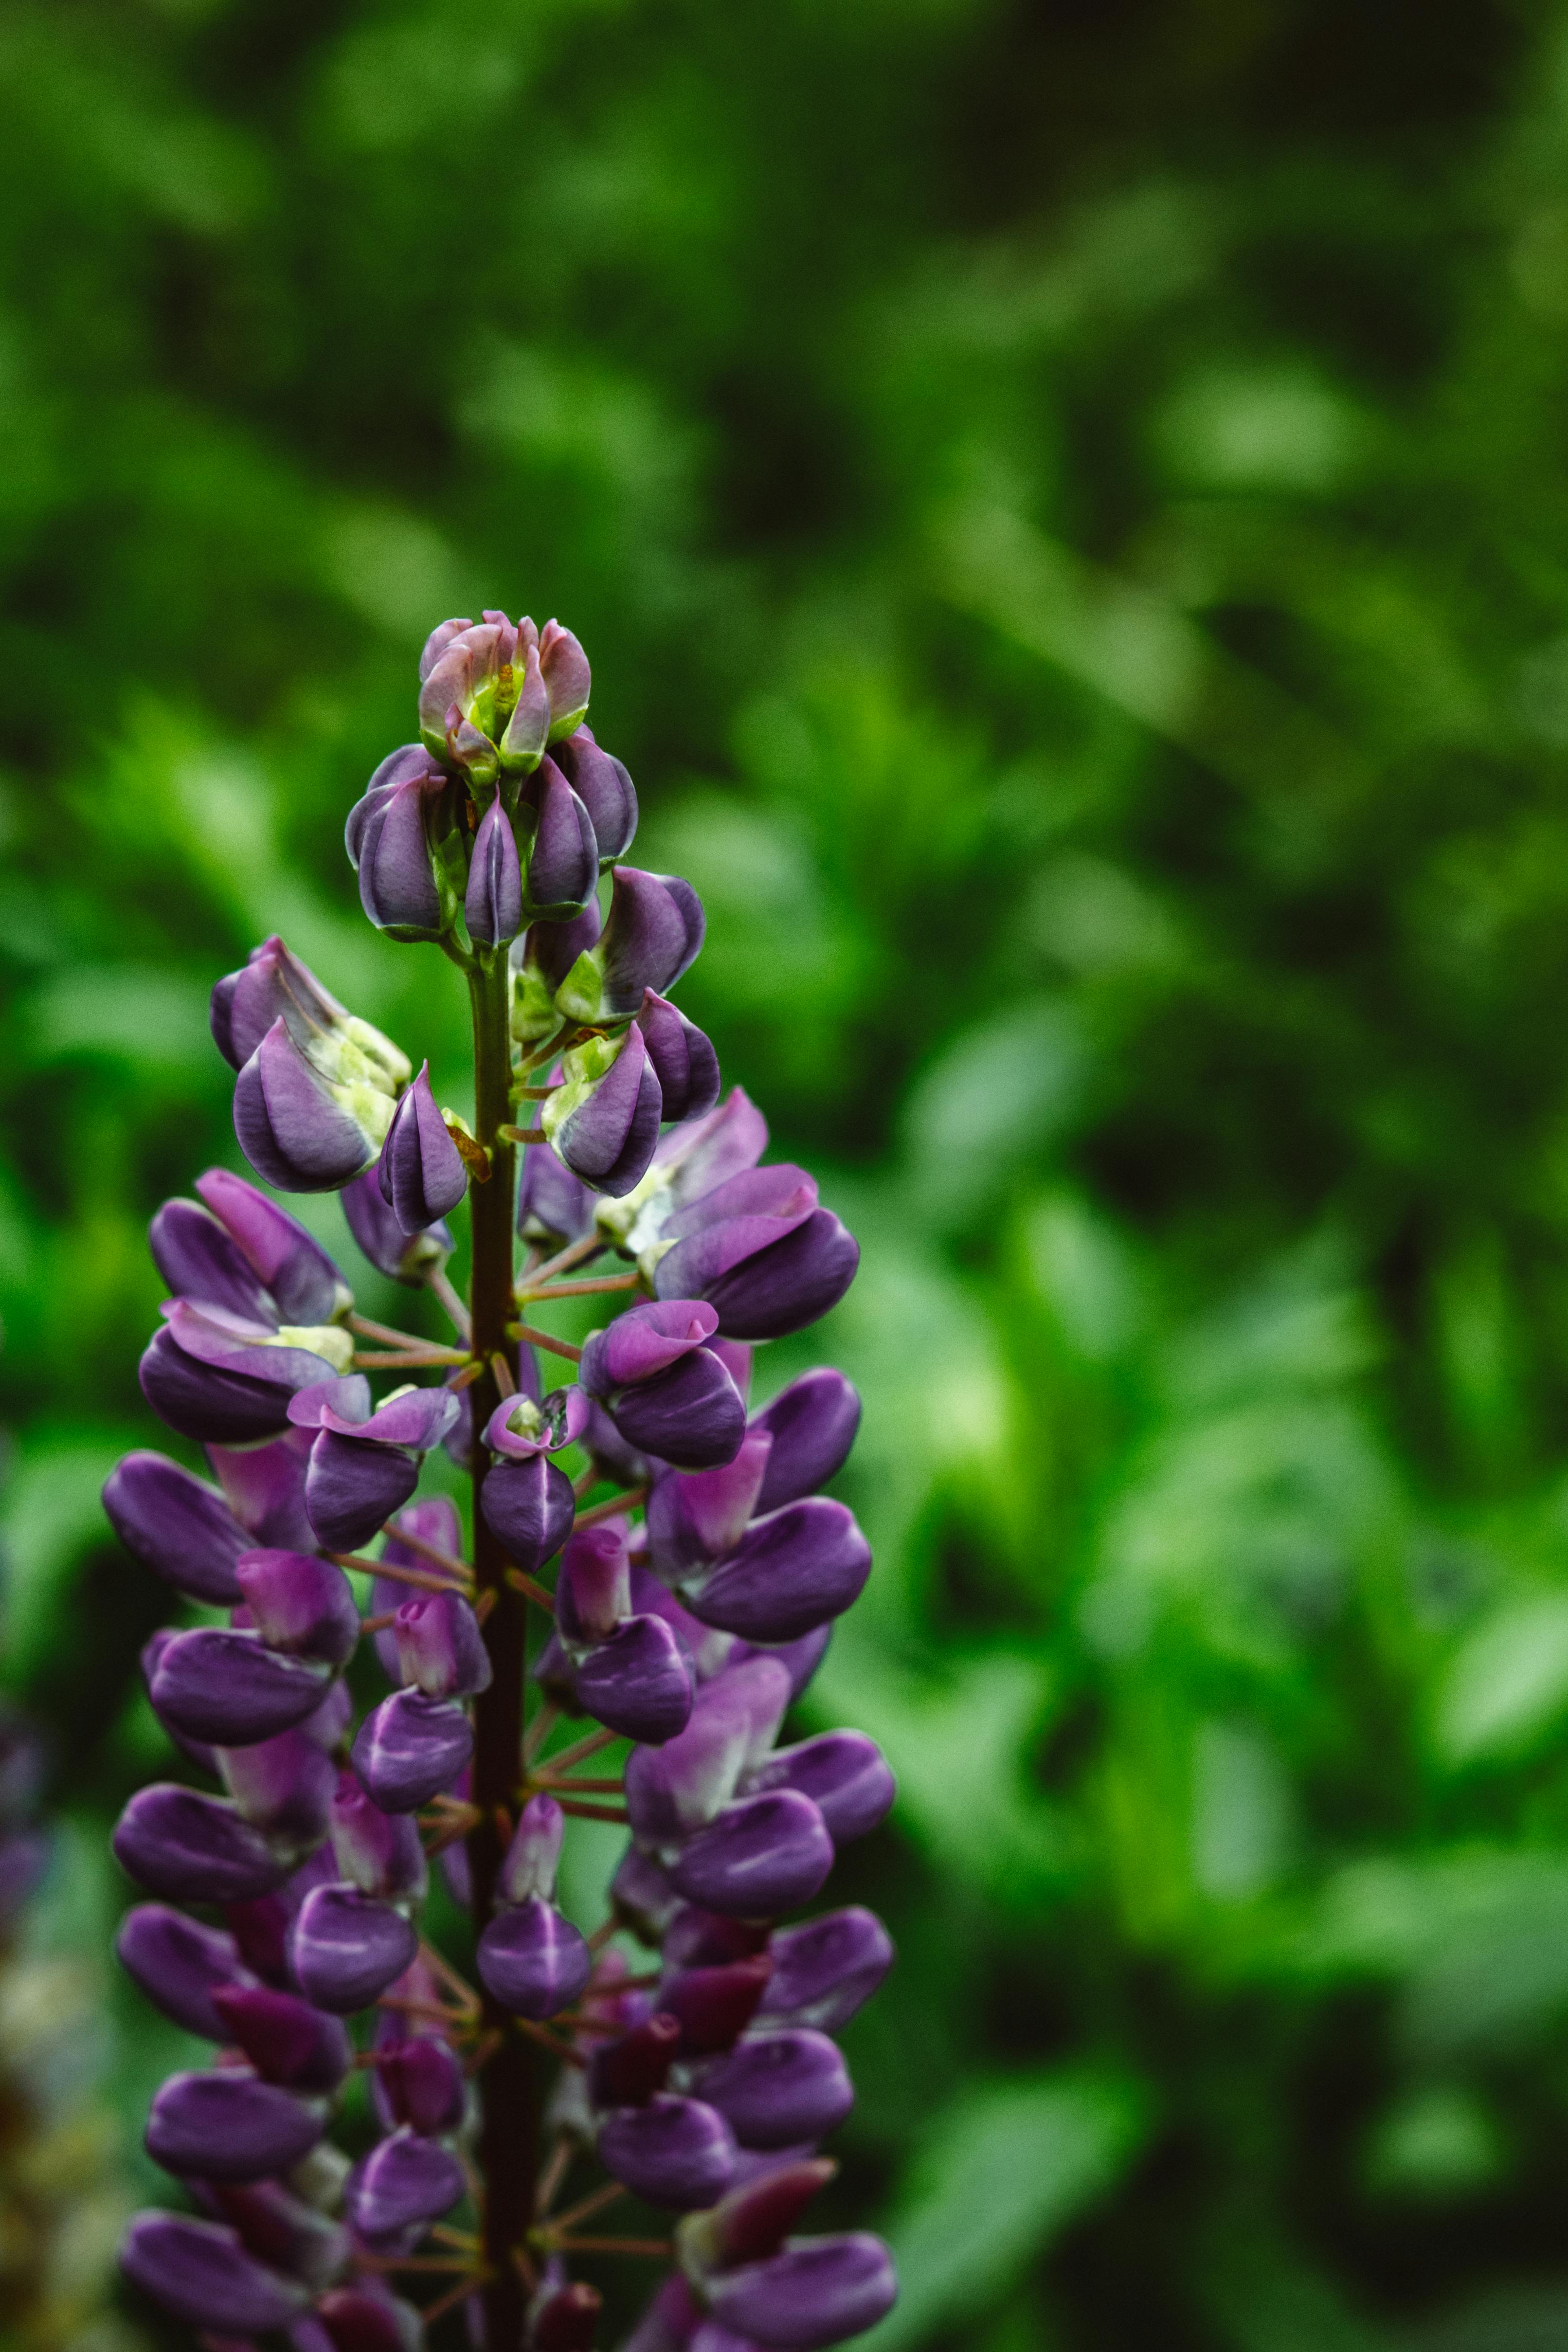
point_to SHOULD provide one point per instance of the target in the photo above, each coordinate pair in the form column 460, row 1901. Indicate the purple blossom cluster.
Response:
column 688, row 1610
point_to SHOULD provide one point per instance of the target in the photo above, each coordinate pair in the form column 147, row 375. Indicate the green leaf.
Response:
column 1000, row 2174
column 1506, row 1684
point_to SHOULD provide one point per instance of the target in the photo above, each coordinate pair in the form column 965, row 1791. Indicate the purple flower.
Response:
column 182, row 1530
column 532, row 1960
column 493, row 909
column 401, row 838
column 365, row 1461
column 180, row 1966
column 812, row 1425
column 761, row 1252
column 308, row 1123
column 404, row 2183
column 439, row 1648
column 283, row 1786
column 812, row 2293
column 714, row 2005
column 346, row 1947
column 285, row 2039
column 683, row 1785
column 194, row 1849
column 681, row 1058
column 637, row 1681
column 825, row 1970
column 420, row 1171
column 300, row 1604
column 264, row 1487
column 212, row 1376
column 220, row 1684
column 410, row 1747
column 761, row 1855
column 417, row 2081
column 651, row 934
column 605, row 789
column 777, row 2090
column 788, row 1574
column 379, row 1853
column 274, row 985
column 200, row 2272
column 676, row 2153
column 280, row 2227
column 665, row 1391
column 527, row 1504
column 405, row 1257
column 559, row 853
column 603, row 1120
column 846, row 1776
column 229, row 2124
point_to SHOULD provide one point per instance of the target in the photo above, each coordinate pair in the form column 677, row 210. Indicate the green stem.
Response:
column 510, row 2087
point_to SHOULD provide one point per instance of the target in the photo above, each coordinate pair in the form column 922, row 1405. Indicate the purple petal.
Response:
column 608, row 1139
column 198, row 1259
column 178, row 1966
column 347, row 1947
column 284, row 1786
column 528, row 1506
column 605, row 789
column 291, row 1127
column 194, row 1849
column 199, row 2273
column 264, row 1487
column 676, row 2153
column 790, row 1573
column 812, row 1423
column 691, row 1415
column 285, row 2039
column 227, row 2125
column 532, row 1960
column 779, row 2089
column 552, row 1204
column 181, row 1528
column 411, row 1747
column 814, row 2292
column 439, row 1648
column 646, row 1339
column 405, row 1257
column 493, row 909
column 272, row 985
column 403, row 2183
column 684, row 1060
column 350, row 1488
column 219, row 1683
column 563, row 855
column 761, row 1856
column 698, row 1515
column 846, row 1776
column 300, row 1604
column 636, row 1682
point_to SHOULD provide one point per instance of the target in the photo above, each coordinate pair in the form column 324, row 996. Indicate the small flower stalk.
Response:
column 648, row 1584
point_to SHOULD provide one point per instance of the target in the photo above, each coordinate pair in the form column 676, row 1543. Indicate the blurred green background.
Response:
column 1067, row 505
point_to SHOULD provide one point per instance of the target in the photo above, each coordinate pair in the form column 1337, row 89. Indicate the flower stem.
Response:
column 510, row 2090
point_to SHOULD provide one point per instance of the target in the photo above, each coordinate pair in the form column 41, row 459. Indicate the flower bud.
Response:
column 366, row 2317
column 217, row 1684
column 264, row 1487
column 826, row 1969
column 284, row 1786
column 200, row 2272
column 777, row 2090
column 280, row 2228
column 404, row 2183
column 405, row 1257
column 194, row 1849
column 528, row 1506
column 651, row 934
column 812, row 1425
column 665, row 1391
column 754, row 2219
column 603, row 1120
column 410, row 1747
column 762, row 1856
column 417, row 2081
column 228, row 2125
column 404, row 840
column 439, row 1648
column 300, row 1604
column 308, row 1123
column 676, row 2153
column 683, row 1785
column 347, row 1947
column 605, row 789
column 180, row 1966
column 637, row 1682
column 378, row 1853
column 761, row 1252
column 493, row 907
column 565, row 2319
column 285, row 2039
column 789, row 1573
column 846, row 1776
column 522, row 1426
column 540, row 966
column 532, row 1960
column 180, row 1527
column 531, row 1859
column 365, row 1461
column 714, row 2006
column 420, row 1171
column 556, row 845
column 563, row 665
column 682, row 1059
column 811, row 2294
column 697, row 1516
column 228, row 1382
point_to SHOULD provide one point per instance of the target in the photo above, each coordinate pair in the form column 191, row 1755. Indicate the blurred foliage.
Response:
column 1068, row 507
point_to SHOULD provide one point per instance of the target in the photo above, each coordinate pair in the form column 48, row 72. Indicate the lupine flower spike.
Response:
column 658, row 1632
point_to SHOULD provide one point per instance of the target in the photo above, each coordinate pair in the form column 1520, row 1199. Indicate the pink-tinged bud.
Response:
column 594, row 1590
column 531, row 1859
column 754, row 2221
column 378, row 1853
column 439, row 1648
column 300, row 1604
column 714, row 2006
column 564, row 667
column 699, row 1516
